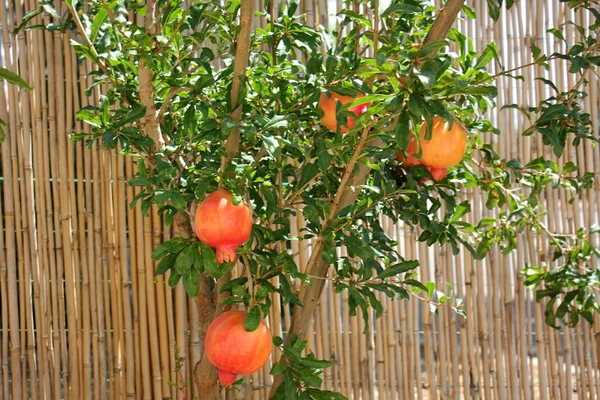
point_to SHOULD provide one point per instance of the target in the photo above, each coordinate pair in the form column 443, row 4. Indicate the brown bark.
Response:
column 239, row 72
column 151, row 124
column 309, row 295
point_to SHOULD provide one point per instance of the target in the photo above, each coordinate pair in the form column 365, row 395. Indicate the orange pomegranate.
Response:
column 327, row 105
column 438, row 173
column 233, row 350
column 222, row 225
column 411, row 150
column 446, row 147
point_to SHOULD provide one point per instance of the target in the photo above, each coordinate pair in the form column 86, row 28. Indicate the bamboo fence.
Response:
column 82, row 315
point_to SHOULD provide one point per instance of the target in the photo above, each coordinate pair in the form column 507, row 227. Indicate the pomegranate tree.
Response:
column 245, row 114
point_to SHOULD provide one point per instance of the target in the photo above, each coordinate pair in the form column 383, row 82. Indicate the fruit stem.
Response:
column 250, row 281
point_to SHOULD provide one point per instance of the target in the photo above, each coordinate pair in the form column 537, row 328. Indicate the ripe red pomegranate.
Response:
column 446, row 147
column 438, row 173
column 411, row 149
column 328, row 106
column 222, row 225
column 235, row 351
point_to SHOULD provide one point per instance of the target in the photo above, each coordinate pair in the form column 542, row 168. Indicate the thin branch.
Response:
column 392, row 281
column 239, row 71
column 88, row 42
column 172, row 93
column 503, row 73
column 114, row 21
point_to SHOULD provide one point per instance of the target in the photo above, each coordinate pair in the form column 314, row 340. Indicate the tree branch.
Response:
column 172, row 93
column 309, row 295
column 240, row 65
column 151, row 124
column 443, row 22
column 147, row 90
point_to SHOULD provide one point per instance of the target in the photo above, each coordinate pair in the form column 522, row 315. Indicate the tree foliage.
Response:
column 288, row 164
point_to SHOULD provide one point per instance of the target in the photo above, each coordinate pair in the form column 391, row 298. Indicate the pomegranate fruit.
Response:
column 327, row 105
column 222, row 225
column 411, row 150
column 438, row 173
column 233, row 350
column 446, row 147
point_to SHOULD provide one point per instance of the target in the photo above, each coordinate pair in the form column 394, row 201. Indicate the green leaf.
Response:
column 374, row 302
column 2, row 135
column 277, row 122
column 277, row 341
column 308, row 172
column 291, row 391
column 252, row 320
column 134, row 114
column 323, row 157
column 174, row 245
column 427, row 77
column 558, row 34
column 277, row 369
column 165, row 264
column 312, row 363
column 416, row 284
column 362, row 19
column 489, row 53
column 209, row 261
column 109, row 139
column 272, row 146
column 174, row 279
column 469, row 11
column 493, row 10
column 462, row 209
column 26, row 18
column 178, row 201
column 261, row 293
column 482, row 249
column 13, row 78
column 185, row 259
column 234, row 282
column 329, row 254
column 398, row 269
column 191, row 282
column 535, row 51
column 401, row 9
column 98, row 21
column 104, row 109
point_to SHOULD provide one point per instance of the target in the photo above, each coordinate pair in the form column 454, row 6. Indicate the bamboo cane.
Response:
column 4, row 351
column 141, row 280
column 133, row 234
column 164, row 340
